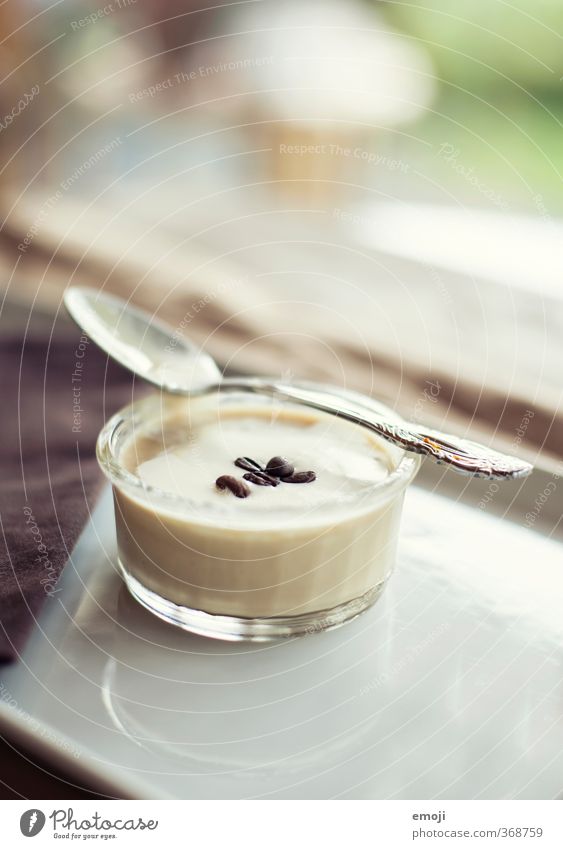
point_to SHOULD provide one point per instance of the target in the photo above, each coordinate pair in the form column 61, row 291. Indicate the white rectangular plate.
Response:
column 450, row 687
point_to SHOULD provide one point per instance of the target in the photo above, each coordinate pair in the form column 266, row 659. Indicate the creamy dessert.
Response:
column 254, row 511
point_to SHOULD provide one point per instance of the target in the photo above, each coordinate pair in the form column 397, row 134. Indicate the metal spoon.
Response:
column 162, row 356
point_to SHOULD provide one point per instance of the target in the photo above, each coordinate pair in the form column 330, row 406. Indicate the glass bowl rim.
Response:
column 399, row 478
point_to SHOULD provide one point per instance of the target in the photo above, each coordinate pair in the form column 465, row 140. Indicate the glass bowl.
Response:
column 263, row 576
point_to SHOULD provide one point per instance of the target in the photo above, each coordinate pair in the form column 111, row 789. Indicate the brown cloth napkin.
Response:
column 57, row 392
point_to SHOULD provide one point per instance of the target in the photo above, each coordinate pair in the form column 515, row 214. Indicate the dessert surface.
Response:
column 188, row 459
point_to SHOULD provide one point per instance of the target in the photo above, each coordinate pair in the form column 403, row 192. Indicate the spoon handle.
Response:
column 465, row 457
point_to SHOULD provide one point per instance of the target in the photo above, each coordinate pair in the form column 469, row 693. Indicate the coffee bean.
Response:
column 279, row 467
column 300, row 477
column 260, row 479
column 249, row 464
column 236, row 486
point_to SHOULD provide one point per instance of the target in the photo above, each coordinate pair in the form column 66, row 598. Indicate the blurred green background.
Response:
column 500, row 100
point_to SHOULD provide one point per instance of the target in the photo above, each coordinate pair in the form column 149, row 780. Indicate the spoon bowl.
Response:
column 143, row 344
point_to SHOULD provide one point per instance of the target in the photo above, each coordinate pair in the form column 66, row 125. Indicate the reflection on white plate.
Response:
column 291, row 706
